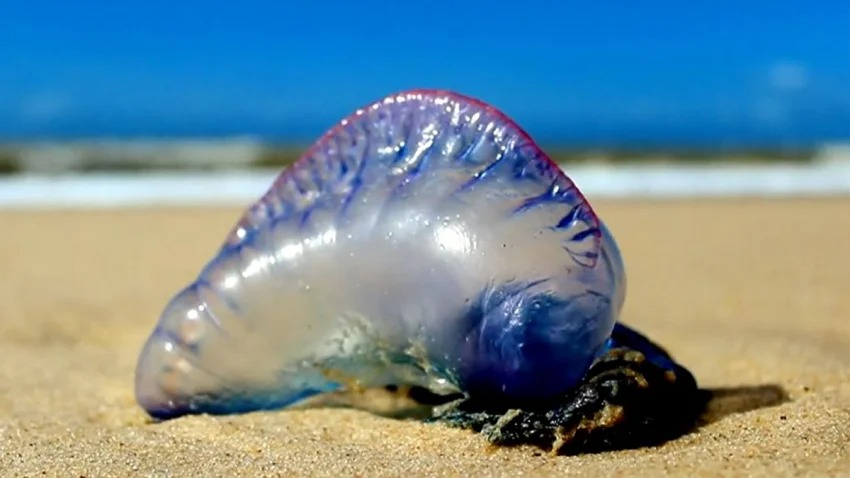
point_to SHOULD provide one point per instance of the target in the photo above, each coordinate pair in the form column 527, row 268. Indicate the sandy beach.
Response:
column 751, row 295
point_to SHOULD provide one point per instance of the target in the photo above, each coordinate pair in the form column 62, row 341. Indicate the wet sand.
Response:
column 753, row 296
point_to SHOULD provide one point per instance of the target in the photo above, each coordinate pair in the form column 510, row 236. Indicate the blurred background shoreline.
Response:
column 249, row 152
column 236, row 171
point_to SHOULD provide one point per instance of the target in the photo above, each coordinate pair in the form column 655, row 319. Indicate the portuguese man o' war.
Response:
column 425, row 240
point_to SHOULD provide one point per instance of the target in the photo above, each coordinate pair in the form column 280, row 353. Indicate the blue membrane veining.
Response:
column 424, row 240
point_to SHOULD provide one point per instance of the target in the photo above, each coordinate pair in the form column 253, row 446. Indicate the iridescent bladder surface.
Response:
column 424, row 240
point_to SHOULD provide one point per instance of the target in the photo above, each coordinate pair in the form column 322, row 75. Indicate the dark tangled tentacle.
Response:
column 635, row 395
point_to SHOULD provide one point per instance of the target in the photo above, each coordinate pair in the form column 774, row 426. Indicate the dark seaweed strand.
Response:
column 332, row 169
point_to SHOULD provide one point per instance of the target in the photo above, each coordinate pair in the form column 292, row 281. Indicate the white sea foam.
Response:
column 238, row 188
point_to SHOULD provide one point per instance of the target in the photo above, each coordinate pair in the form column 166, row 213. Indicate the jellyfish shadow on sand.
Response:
column 725, row 401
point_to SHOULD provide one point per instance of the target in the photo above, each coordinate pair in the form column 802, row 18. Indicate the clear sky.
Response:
column 715, row 72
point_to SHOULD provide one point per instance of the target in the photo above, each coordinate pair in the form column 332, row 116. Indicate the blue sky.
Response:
column 717, row 73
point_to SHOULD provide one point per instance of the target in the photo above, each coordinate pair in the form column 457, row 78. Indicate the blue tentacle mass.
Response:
column 423, row 240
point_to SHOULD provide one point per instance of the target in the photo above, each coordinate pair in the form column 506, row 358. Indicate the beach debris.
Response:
column 427, row 242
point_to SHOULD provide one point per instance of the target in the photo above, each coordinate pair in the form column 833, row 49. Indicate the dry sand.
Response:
column 753, row 296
